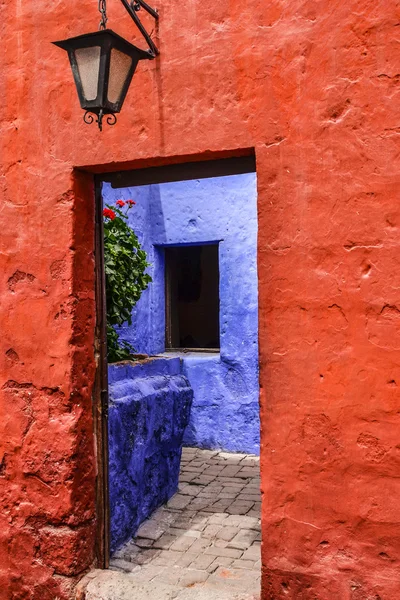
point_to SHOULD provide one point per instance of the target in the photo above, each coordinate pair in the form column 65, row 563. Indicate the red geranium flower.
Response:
column 131, row 202
column 110, row 214
column 120, row 203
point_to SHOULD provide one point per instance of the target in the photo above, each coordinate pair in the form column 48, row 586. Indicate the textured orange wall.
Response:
column 313, row 86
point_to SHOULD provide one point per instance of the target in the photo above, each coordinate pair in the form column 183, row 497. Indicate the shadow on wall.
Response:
column 225, row 411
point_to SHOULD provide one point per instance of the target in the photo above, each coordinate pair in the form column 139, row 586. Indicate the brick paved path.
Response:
column 204, row 544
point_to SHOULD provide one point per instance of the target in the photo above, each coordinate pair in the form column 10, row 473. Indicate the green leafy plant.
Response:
column 125, row 265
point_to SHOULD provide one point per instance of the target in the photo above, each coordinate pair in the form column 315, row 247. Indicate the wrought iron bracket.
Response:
column 133, row 8
column 90, row 117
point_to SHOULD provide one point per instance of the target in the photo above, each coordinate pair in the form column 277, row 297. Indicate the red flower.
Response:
column 110, row 214
column 120, row 203
column 131, row 202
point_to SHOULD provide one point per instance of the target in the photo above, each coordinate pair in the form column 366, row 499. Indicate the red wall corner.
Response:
column 47, row 476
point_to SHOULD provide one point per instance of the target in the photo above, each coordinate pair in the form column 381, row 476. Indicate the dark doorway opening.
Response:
column 209, row 255
column 192, row 297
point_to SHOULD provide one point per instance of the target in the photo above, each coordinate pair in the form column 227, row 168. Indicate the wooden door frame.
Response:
column 101, row 390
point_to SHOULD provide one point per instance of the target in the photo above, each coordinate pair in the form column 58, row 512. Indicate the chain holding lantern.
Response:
column 103, row 64
column 103, row 12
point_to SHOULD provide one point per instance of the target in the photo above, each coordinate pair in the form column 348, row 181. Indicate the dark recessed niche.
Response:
column 192, row 297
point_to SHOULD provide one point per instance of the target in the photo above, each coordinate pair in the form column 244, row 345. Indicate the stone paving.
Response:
column 204, row 544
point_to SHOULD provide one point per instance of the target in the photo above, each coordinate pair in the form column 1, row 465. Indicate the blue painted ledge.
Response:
column 149, row 408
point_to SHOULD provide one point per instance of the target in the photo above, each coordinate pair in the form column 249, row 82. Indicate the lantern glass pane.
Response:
column 88, row 61
column 120, row 65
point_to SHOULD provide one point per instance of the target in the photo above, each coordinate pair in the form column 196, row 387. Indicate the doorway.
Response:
column 198, row 317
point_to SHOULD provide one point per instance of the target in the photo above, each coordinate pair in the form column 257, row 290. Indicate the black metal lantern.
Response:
column 103, row 64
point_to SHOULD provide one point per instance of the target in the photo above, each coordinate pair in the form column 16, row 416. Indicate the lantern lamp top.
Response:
column 99, row 38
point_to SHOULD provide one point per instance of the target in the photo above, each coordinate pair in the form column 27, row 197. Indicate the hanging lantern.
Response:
column 103, row 64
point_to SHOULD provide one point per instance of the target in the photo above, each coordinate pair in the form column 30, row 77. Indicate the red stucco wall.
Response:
column 314, row 87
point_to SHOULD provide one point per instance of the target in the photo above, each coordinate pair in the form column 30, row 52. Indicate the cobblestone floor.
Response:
column 205, row 543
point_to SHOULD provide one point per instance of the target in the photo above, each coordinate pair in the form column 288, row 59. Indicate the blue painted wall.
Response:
column 221, row 209
column 149, row 409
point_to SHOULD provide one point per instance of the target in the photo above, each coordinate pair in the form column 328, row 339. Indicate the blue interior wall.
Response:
column 221, row 209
